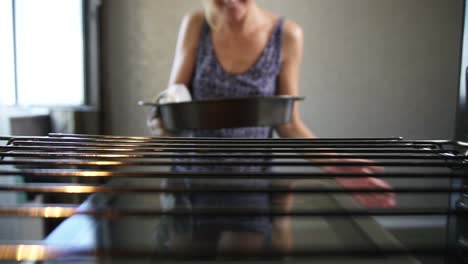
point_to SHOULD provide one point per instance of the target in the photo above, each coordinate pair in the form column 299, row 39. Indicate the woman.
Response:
column 235, row 48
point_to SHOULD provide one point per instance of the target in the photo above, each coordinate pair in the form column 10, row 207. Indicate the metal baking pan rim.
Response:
column 233, row 99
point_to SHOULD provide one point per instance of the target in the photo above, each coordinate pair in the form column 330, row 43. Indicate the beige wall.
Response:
column 371, row 67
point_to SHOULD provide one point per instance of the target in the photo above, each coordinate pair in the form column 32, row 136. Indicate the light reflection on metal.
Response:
column 93, row 173
column 114, row 156
column 57, row 212
column 107, row 163
column 79, row 189
column 43, row 212
column 24, row 252
column 31, row 252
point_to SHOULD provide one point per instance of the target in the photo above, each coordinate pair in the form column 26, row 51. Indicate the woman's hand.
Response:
column 368, row 200
column 352, row 169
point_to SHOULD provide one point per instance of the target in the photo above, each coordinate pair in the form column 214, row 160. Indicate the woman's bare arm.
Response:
column 288, row 80
column 183, row 65
column 186, row 49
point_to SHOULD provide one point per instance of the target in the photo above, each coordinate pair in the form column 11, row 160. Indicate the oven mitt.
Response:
column 176, row 93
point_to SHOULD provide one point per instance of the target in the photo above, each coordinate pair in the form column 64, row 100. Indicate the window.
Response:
column 461, row 132
column 44, row 52
column 7, row 61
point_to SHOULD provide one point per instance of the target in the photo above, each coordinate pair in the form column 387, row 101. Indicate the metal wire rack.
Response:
column 74, row 164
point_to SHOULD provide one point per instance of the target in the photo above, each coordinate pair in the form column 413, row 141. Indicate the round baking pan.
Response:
column 226, row 113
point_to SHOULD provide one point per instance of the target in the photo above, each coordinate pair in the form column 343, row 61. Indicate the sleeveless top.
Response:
column 211, row 81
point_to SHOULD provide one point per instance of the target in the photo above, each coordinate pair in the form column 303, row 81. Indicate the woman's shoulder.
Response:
column 293, row 38
column 195, row 18
column 292, row 31
column 290, row 27
column 194, row 22
column 191, row 27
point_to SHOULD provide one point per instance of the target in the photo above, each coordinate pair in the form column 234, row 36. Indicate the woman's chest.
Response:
column 237, row 55
column 235, row 67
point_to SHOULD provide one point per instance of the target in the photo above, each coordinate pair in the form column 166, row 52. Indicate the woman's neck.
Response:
column 248, row 23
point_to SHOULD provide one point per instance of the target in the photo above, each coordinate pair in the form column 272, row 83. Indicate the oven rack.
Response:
column 40, row 252
column 79, row 158
column 98, row 156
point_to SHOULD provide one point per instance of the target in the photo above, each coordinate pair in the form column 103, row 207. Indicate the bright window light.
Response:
column 7, row 60
column 464, row 58
column 49, row 52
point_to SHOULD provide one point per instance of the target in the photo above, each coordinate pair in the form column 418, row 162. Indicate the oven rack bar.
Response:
column 226, row 142
column 120, row 163
column 40, row 251
column 68, row 210
column 84, row 137
column 113, row 139
column 201, row 140
column 159, row 151
column 211, row 138
column 11, row 152
column 222, row 174
column 90, row 189
column 204, row 140
column 277, row 145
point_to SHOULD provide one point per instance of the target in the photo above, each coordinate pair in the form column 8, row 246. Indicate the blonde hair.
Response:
column 210, row 13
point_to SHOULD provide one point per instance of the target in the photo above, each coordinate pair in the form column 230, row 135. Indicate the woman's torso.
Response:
column 210, row 81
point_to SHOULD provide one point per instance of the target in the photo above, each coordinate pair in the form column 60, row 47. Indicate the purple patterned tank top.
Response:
column 211, row 81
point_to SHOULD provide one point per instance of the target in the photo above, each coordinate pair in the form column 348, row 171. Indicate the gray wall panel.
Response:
column 371, row 67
